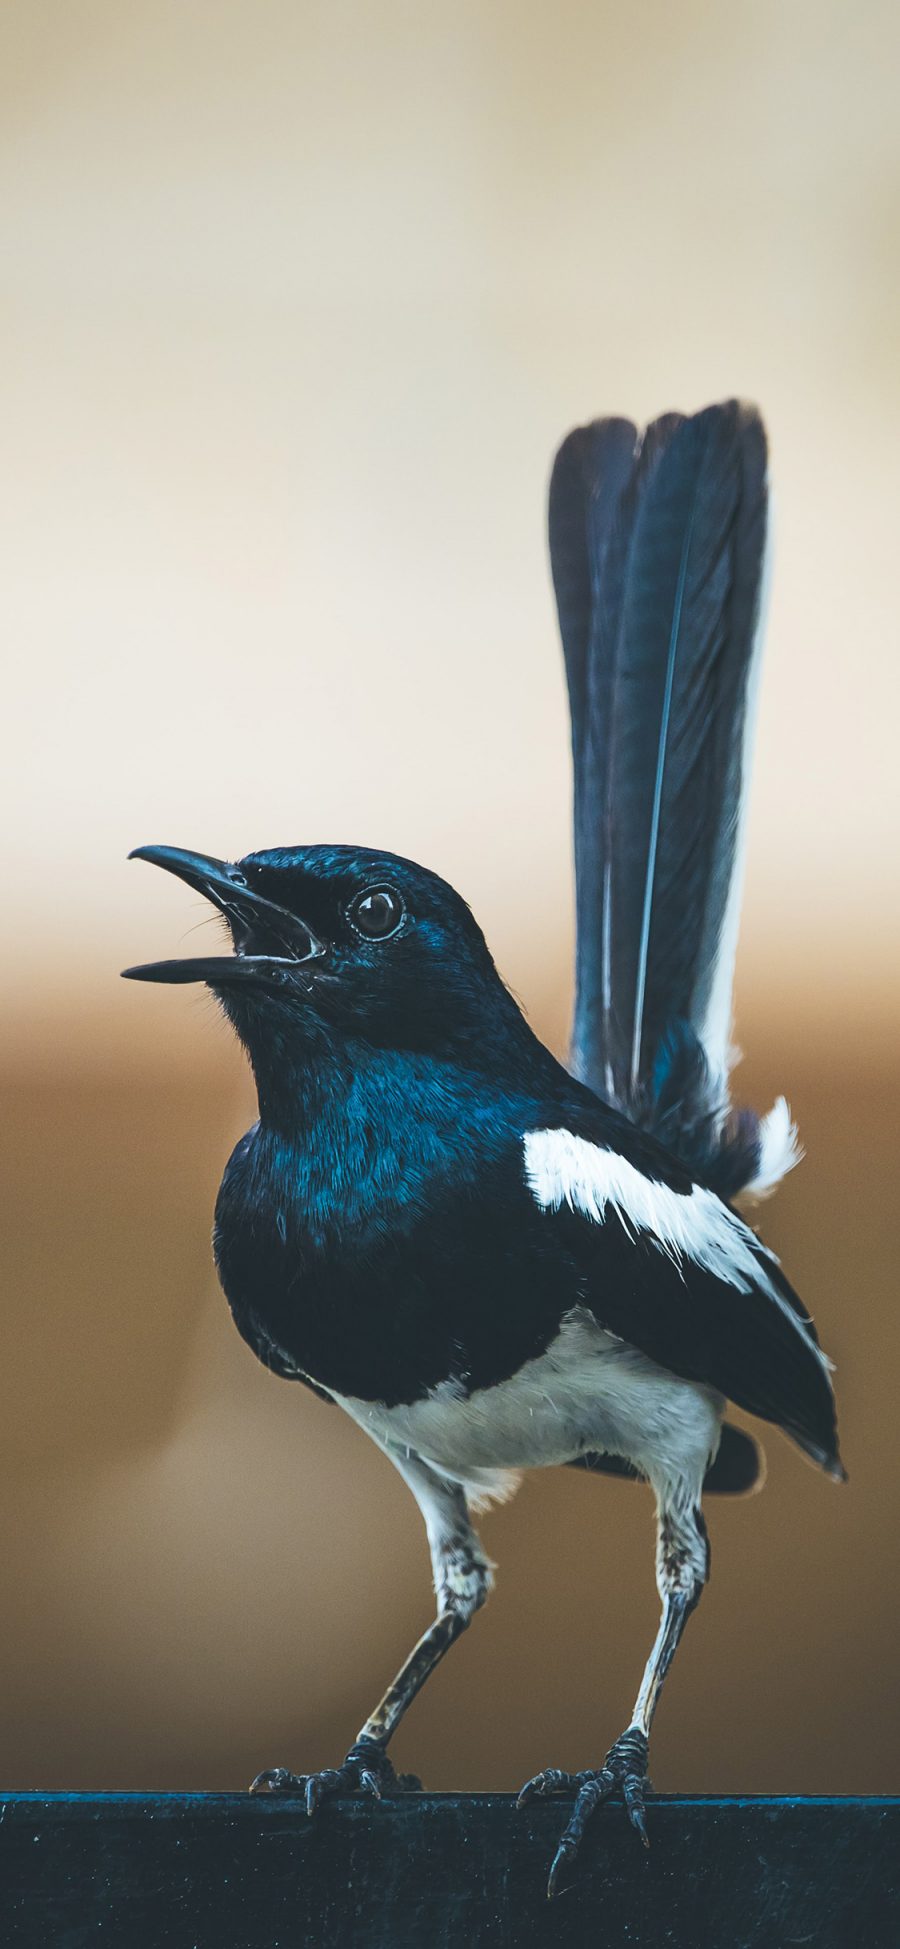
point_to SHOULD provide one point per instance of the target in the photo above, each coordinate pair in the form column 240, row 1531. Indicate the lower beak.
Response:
column 250, row 916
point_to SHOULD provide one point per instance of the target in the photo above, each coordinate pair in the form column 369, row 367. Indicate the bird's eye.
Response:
column 376, row 913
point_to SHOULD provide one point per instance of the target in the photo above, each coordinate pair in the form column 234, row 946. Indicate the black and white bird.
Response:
column 491, row 1262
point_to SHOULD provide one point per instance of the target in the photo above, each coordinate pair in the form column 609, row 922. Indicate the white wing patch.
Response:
column 562, row 1169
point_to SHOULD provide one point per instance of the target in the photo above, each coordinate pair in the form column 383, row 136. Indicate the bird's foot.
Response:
column 624, row 1771
column 366, row 1769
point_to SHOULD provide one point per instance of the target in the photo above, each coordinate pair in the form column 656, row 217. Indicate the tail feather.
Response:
column 657, row 548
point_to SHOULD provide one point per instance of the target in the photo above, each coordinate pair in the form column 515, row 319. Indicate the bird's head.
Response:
column 336, row 941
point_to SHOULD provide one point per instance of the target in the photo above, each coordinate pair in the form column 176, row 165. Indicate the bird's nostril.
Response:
column 235, row 877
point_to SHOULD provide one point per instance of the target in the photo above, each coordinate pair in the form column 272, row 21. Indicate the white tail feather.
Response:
column 779, row 1150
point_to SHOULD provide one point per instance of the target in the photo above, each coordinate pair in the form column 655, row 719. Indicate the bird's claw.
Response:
column 624, row 1770
column 366, row 1769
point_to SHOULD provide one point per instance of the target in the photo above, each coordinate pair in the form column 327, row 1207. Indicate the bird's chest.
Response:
column 378, row 1276
column 299, row 1242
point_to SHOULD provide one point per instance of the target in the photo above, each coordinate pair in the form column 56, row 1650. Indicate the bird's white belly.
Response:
column 589, row 1390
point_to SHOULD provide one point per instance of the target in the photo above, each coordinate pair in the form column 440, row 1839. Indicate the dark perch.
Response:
column 224, row 1871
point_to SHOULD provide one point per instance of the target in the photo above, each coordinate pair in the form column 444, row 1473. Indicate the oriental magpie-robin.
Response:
column 492, row 1262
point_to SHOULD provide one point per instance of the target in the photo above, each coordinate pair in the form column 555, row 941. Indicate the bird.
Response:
column 492, row 1260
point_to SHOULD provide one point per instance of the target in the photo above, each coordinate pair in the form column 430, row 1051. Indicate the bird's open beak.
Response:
column 268, row 940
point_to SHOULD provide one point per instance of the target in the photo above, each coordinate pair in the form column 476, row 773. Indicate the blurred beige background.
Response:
column 297, row 300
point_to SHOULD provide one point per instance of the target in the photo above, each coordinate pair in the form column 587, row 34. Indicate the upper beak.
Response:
column 252, row 920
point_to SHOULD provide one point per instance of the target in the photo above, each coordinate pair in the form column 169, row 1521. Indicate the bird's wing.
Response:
column 664, row 1264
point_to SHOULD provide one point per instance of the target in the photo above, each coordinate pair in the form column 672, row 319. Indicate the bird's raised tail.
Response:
column 658, row 550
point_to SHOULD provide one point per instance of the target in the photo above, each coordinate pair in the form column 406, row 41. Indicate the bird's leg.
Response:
column 462, row 1580
column 682, row 1568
